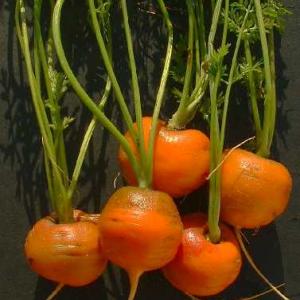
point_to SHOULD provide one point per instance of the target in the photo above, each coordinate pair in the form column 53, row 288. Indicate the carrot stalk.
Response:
column 63, row 204
column 78, row 88
column 136, row 96
column 60, row 188
column 253, row 93
column 47, row 61
column 86, row 140
column 217, row 135
column 109, row 68
column 185, row 111
column 201, row 29
column 270, row 98
column 161, row 90
column 179, row 118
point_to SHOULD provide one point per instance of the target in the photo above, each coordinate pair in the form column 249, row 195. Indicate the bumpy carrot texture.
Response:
column 254, row 190
column 181, row 159
column 141, row 229
column 200, row 267
column 66, row 253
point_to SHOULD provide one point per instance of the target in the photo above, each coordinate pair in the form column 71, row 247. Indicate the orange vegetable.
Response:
column 70, row 254
column 181, row 159
column 141, row 231
column 254, row 190
column 200, row 267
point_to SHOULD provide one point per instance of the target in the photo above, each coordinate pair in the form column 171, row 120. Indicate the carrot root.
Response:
column 56, row 291
column 256, row 269
column 134, row 278
column 262, row 293
column 192, row 297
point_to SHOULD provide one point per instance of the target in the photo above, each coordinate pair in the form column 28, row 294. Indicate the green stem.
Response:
column 217, row 143
column 161, row 89
column 37, row 63
column 18, row 26
column 230, row 79
column 214, row 182
column 85, row 143
column 49, row 182
column 109, row 68
column 188, row 73
column 211, row 38
column 64, row 210
column 90, row 130
column 55, row 112
column 273, row 80
column 223, row 44
column 202, row 31
column 198, row 93
column 181, row 117
column 88, row 102
column 225, row 26
column 253, row 93
column 197, row 47
column 214, row 25
column 136, row 94
column 270, row 101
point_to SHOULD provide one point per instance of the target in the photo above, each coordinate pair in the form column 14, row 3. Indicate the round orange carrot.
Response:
column 200, row 267
column 70, row 254
column 254, row 190
column 141, row 230
column 180, row 163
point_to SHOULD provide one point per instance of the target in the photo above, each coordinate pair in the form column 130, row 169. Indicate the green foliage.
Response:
column 236, row 15
column 215, row 63
column 274, row 14
column 59, row 84
column 243, row 70
column 103, row 10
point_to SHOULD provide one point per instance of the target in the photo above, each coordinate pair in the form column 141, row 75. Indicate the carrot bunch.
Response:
column 65, row 246
column 140, row 228
column 243, row 188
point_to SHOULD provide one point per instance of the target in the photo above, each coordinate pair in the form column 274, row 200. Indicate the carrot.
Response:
column 254, row 190
column 209, row 257
column 179, row 157
column 180, row 160
column 67, row 248
column 134, row 218
column 141, row 231
column 200, row 267
column 70, row 254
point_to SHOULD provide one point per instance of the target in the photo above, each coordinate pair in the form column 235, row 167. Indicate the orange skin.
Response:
column 70, row 254
column 200, row 267
column 181, row 159
column 141, row 229
column 254, row 190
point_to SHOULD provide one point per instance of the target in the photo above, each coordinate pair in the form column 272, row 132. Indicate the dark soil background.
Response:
column 23, row 198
